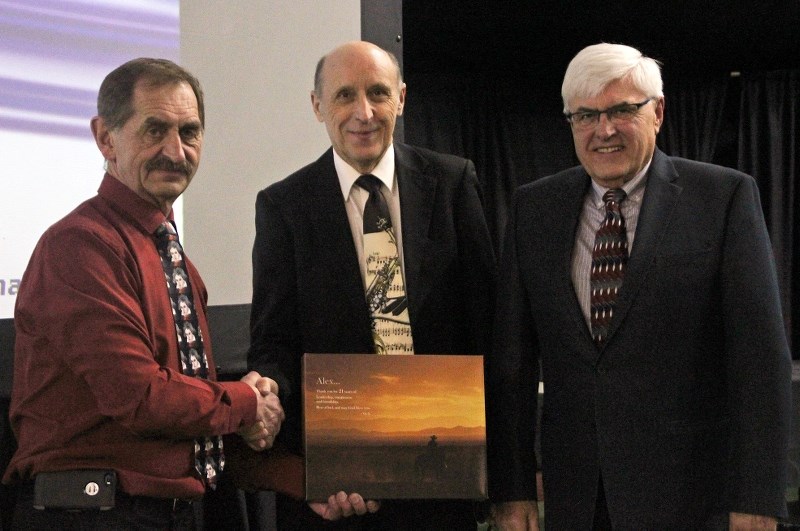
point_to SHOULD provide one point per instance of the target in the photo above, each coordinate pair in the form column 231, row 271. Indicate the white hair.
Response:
column 598, row 65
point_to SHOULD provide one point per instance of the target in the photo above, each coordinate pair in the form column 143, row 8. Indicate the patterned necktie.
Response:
column 209, row 458
column 386, row 293
column 609, row 259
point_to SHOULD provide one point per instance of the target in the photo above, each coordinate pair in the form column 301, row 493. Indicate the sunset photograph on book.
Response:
column 394, row 427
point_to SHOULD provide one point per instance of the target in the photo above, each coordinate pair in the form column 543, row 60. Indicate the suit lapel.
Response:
column 417, row 194
column 570, row 201
column 660, row 198
column 333, row 238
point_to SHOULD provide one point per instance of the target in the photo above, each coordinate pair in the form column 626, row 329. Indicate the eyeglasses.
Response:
column 618, row 114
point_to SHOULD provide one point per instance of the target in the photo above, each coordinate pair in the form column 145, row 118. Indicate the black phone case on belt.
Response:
column 75, row 489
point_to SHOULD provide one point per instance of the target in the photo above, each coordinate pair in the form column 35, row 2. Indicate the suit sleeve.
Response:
column 477, row 253
column 512, row 383
column 274, row 329
column 758, row 363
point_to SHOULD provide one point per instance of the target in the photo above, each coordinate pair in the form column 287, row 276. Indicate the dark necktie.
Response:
column 208, row 452
column 386, row 294
column 609, row 259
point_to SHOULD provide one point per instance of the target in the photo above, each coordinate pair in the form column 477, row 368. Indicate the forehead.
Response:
column 615, row 93
column 358, row 68
column 170, row 102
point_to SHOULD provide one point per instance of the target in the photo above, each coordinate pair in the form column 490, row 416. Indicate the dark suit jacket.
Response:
column 308, row 295
column 685, row 410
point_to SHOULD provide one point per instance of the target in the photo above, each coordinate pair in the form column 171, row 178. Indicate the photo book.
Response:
column 394, row 427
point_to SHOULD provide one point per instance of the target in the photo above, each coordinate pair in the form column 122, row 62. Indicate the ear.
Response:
column 103, row 138
column 402, row 101
column 659, row 114
column 315, row 104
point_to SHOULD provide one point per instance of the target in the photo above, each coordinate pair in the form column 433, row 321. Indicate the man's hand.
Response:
column 515, row 516
column 256, row 436
column 341, row 505
column 751, row 522
column 261, row 435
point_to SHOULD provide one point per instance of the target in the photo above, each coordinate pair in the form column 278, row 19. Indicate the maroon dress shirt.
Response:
column 97, row 381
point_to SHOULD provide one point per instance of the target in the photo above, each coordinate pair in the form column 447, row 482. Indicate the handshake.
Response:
column 261, row 435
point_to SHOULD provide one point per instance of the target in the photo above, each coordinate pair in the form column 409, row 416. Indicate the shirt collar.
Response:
column 348, row 175
column 628, row 187
column 123, row 199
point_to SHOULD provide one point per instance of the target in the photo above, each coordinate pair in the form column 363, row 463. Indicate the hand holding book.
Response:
column 341, row 505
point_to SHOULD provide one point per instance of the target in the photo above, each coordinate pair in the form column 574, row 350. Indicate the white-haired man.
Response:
column 644, row 287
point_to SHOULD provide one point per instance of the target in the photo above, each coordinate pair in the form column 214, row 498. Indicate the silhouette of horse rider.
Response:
column 430, row 465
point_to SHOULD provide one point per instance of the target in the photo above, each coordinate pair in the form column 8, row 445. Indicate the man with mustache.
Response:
column 101, row 401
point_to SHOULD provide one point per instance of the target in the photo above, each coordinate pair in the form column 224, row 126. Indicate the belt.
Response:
column 159, row 504
column 173, row 505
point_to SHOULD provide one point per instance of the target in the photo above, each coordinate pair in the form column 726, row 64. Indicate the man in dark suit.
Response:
column 667, row 390
column 309, row 268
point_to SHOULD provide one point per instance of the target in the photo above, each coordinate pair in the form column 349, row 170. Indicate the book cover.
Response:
column 394, row 427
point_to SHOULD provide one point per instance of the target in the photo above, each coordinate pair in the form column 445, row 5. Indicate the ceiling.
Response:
column 537, row 39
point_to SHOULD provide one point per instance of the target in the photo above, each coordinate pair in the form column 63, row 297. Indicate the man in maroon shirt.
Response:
column 98, row 380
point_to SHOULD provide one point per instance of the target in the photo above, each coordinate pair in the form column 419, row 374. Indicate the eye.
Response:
column 190, row 134
column 344, row 95
column 155, row 131
column 586, row 118
column 623, row 112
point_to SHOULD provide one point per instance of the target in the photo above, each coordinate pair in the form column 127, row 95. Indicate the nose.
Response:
column 363, row 108
column 172, row 146
column 604, row 127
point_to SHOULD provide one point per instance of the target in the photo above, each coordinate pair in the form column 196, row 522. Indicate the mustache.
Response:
column 163, row 163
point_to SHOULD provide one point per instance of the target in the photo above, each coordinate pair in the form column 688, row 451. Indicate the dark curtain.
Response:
column 769, row 150
column 8, row 445
column 514, row 131
column 511, row 137
column 693, row 118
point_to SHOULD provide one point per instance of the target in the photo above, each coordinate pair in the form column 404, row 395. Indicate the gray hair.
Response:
column 598, row 65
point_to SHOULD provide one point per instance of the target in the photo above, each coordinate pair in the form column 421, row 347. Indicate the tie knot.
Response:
column 370, row 183
column 614, row 195
column 166, row 231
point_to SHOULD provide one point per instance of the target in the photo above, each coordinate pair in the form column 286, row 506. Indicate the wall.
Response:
column 256, row 60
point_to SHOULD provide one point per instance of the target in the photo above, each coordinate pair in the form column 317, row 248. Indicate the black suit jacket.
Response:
column 308, row 295
column 685, row 410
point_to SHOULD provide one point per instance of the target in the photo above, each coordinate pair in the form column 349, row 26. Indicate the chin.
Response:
column 610, row 181
column 171, row 192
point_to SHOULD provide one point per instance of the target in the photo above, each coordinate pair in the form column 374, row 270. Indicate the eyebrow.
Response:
column 151, row 121
column 590, row 109
column 351, row 88
column 343, row 88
